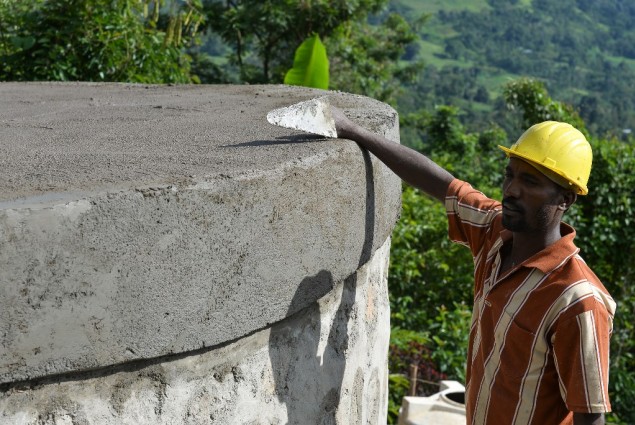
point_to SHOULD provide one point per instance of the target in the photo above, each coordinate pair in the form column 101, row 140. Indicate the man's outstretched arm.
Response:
column 411, row 166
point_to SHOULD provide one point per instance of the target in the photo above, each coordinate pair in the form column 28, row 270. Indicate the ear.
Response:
column 567, row 198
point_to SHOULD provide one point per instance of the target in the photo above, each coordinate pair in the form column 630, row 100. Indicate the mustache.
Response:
column 509, row 203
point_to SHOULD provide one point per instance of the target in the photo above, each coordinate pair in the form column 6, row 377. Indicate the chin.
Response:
column 515, row 226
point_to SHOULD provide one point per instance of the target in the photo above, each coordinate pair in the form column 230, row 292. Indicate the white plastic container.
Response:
column 447, row 407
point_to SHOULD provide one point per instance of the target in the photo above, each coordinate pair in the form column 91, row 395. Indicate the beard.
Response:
column 520, row 223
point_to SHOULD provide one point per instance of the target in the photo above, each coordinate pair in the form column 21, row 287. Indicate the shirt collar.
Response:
column 555, row 254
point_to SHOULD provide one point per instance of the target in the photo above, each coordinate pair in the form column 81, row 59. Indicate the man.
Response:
column 541, row 323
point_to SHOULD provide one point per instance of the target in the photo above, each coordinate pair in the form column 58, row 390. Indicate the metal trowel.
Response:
column 313, row 116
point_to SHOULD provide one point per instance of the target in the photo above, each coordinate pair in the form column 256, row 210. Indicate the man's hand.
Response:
column 346, row 129
column 411, row 166
column 588, row 419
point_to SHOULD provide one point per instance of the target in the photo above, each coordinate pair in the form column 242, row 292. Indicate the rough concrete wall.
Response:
column 325, row 364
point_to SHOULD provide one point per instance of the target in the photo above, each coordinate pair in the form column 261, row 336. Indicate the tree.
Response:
column 530, row 97
column 263, row 34
column 97, row 40
column 365, row 59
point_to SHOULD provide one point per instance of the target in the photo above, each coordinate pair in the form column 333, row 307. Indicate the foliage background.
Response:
column 582, row 50
column 465, row 75
column 97, row 40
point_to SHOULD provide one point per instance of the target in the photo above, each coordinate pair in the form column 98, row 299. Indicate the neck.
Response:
column 524, row 245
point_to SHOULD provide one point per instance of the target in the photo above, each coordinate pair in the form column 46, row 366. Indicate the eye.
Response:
column 531, row 182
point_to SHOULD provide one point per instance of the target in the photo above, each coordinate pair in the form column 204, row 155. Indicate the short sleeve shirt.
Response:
column 539, row 339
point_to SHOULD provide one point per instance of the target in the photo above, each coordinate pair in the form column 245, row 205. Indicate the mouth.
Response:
column 511, row 208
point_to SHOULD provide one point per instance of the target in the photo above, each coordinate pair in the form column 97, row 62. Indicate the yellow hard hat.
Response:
column 559, row 151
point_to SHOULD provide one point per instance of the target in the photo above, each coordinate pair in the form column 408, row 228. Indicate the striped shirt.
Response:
column 539, row 339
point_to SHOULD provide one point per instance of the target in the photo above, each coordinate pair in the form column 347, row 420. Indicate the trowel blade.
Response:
column 313, row 116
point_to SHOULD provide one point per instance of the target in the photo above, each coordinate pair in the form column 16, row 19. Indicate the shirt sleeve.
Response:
column 581, row 352
column 470, row 214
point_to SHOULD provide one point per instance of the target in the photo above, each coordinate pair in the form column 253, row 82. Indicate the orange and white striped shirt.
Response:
column 539, row 340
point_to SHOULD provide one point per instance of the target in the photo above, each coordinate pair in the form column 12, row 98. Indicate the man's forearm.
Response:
column 411, row 166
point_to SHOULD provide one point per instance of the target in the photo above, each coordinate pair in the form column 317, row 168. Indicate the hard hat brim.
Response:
column 580, row 190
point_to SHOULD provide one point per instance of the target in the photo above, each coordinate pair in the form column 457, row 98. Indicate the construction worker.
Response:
column 539, row 341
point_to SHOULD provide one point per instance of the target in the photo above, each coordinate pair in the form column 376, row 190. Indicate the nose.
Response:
column 511, row 188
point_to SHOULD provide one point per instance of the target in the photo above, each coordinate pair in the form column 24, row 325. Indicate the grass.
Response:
column 433, row 6
column 431, row 54
column 616, row 60
column 495, row 80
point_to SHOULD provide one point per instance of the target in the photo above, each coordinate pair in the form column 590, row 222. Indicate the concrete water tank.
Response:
column 169, row 257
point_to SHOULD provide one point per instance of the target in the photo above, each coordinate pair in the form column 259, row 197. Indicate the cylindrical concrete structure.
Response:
column 167, row 256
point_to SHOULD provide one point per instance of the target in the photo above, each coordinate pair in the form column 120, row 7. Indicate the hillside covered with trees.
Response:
column 582, row 50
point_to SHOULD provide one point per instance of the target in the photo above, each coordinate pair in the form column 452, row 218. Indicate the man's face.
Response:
column 530, row 199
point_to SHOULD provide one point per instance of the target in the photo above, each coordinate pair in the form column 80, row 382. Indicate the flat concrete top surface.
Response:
column 57, row 138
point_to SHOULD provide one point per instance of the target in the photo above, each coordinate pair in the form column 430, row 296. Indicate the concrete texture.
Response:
column 322, row 365
column 140, row 223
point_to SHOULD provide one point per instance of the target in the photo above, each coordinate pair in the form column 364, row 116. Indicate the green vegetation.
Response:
column 258, row 36
column 491, row 68
column 97, row 40
column 582, row 50
column 310, row 66
column 262, row 33
column 434, row 6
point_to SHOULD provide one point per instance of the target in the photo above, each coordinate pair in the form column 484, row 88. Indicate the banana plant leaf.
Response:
column 310, row 65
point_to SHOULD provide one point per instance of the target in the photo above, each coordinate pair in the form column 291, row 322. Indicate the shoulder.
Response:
column 464, row 200
column 580, row 291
